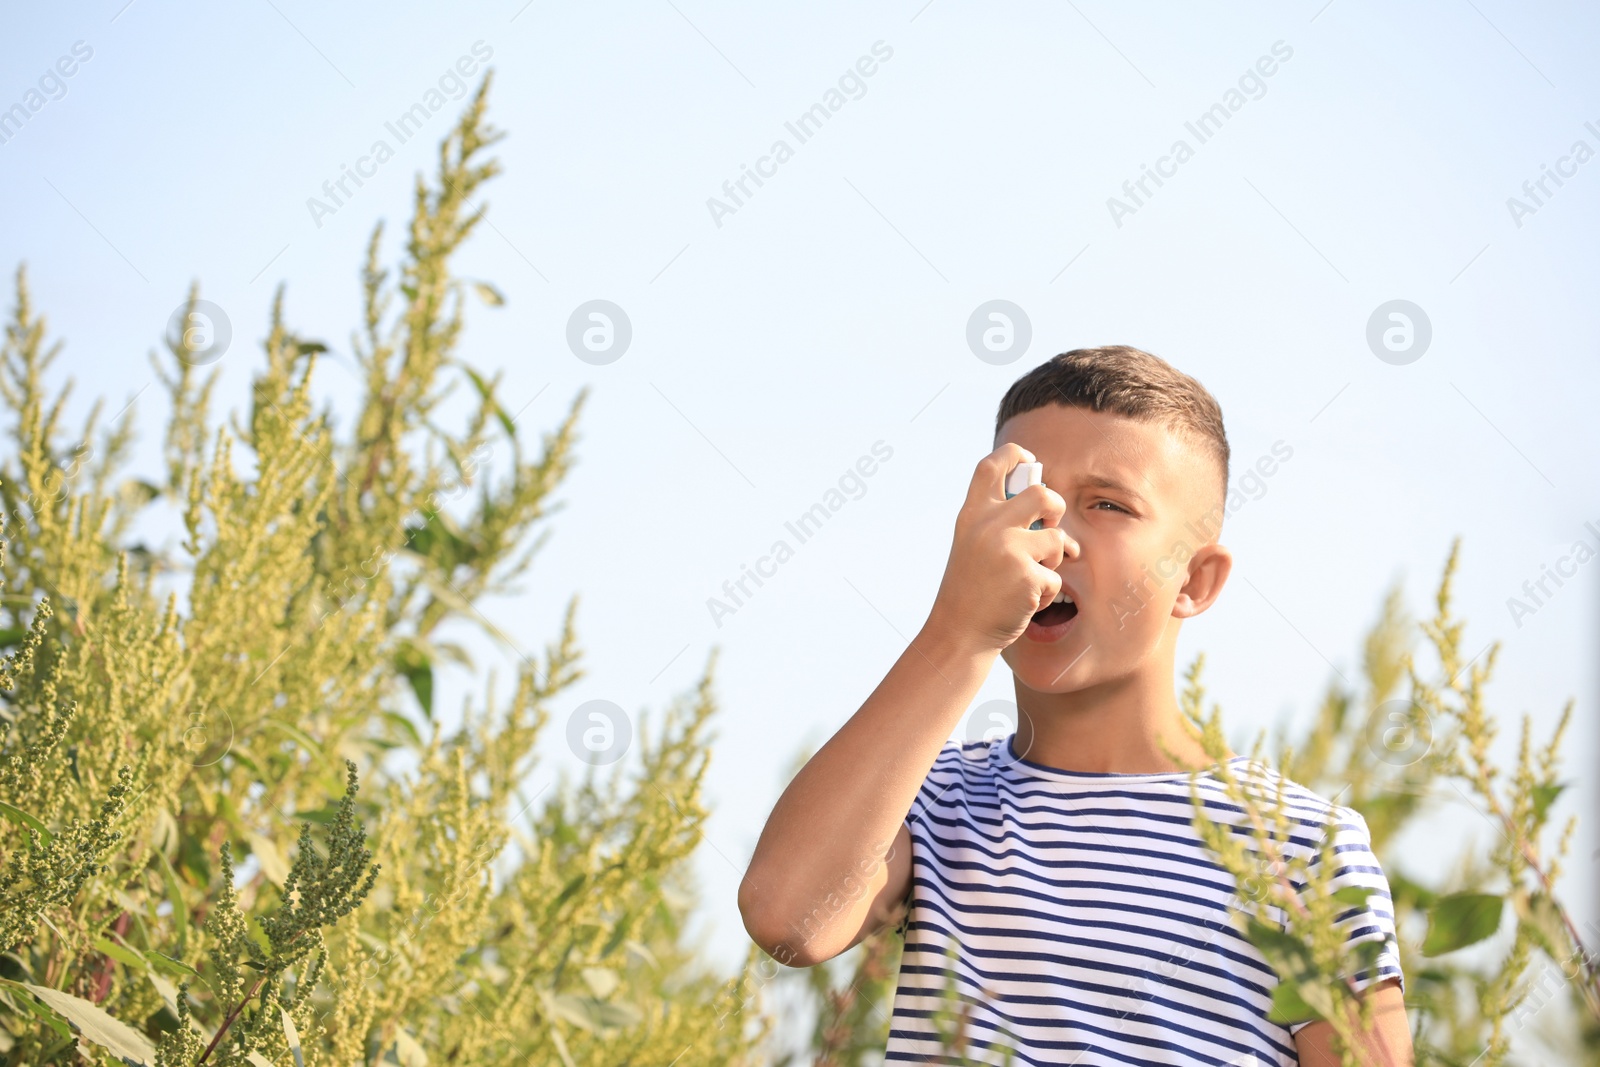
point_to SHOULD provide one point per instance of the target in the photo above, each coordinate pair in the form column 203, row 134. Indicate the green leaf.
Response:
column 244, row 761
column 22, row 818
column 1295, row 967
column 169, row 994
column 1289, row 1007
column 486, row 391
column 1544, row 796
column 489, row 294
column 166, row 991
column 561, row 1047
column 299, row 736
column 639, row 949
column 602, row 981
column 121, row 954
column 180, row 910
column 405, row 726
column 618, row 932
column 1288, row 956
column 1406, row 891
column 590, row 1013
column 1363, row 955
column 1353, row 896
column 12, row 966
column 97, row 1027
column 160, row 961
column 143, row 491
column 413, row 662
column 267, row 853
column 567, row 890
column 292, row 1036
column 1461, row 919
column 447, row 595
column 408, row 1051
column 39, row 1011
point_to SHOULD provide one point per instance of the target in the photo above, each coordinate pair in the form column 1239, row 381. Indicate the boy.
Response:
column 1055, row 873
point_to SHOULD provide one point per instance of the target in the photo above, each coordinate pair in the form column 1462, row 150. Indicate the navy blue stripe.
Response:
column 1209, row 798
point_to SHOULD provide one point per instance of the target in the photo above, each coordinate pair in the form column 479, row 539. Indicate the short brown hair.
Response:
column 1124, row 381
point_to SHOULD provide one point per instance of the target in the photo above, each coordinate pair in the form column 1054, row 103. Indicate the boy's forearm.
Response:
column 807, row 887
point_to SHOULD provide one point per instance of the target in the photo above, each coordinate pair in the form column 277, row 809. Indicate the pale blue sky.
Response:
column 829, row 311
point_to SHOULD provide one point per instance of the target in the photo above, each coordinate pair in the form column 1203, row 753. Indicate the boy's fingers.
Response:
column 1049, row 582
column 1036, row 502
column 989, row 479
column 1049, row 547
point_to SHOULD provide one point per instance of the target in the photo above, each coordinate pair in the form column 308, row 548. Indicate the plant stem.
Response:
column 232, row 1015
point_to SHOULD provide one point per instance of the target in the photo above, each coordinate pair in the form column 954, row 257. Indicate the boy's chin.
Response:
column 1049, row 668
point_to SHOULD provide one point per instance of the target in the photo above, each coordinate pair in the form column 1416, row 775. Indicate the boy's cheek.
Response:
column 1137, row 597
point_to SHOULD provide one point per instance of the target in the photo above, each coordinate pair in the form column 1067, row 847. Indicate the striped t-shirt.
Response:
column 1082, row 920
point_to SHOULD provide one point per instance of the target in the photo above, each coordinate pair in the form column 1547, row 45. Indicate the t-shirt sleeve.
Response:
column 934, row 784
column 946, row 768
column 1355, row 864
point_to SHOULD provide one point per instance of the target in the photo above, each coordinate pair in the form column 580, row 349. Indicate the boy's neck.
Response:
column 1117, row 726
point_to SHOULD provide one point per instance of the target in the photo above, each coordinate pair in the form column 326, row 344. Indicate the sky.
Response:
column 1361, row 160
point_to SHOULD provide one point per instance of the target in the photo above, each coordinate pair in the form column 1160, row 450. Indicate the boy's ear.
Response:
column 1208, row 572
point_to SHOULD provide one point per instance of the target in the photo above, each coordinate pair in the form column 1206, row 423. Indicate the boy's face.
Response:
column 1142, row 506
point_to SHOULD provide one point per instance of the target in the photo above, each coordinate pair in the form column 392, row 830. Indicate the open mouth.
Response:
column 1061, row 611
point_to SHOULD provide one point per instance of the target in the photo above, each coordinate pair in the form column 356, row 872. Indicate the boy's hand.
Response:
column 1000, row 572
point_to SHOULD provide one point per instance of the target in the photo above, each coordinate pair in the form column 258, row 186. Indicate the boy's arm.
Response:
column 833, row 863
column 1386, row 1044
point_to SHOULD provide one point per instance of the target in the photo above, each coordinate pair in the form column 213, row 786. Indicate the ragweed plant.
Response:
column 1391, row 760
column 188, row 872
column 852, row 1018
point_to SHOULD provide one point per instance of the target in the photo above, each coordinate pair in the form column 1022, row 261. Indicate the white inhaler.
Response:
column 1019, row 478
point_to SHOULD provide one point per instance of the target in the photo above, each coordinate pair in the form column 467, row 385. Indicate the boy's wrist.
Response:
column 942, row 641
